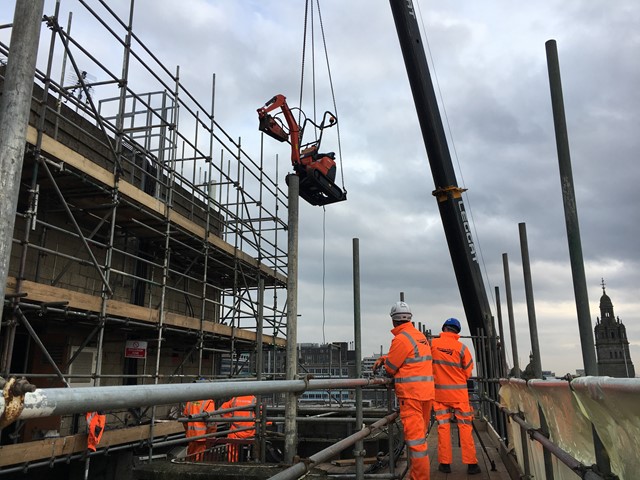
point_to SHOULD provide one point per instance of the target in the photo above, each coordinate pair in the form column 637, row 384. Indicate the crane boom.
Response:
column 449, row 196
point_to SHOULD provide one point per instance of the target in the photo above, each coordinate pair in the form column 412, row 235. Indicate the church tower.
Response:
column 612, row 346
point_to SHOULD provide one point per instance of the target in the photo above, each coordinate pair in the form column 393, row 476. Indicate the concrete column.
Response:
column 291, row 406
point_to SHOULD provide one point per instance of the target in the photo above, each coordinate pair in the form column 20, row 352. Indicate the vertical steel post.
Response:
column 573, row 233
column 502, row 370
column 531, row 309
column 359, row 447
column 571, row 212
column 291, row 407
column 512, row 323
column 15, row 104
column 502, row 351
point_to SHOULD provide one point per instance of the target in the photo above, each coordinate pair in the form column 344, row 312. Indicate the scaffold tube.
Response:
column 62, row 401
column 301, row 468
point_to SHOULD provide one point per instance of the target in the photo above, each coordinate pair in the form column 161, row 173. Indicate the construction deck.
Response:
column 487, row 459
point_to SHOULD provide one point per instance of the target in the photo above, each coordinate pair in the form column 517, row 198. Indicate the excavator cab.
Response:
column 317, row 171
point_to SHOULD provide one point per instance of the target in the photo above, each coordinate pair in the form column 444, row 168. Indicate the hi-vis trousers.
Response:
column 464, row 415
column 415, row 415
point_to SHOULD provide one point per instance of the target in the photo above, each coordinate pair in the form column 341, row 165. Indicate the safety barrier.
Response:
column 568, row 414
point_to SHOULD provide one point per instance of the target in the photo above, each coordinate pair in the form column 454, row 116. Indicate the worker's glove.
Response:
column 379, row 363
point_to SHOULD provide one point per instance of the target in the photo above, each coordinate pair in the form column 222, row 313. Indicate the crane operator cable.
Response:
column 309, row 11
column 453, row 147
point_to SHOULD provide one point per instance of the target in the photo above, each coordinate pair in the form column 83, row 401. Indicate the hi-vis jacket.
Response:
column 195, row 428
column 95, row 429
column 242, row 401
column 452, row 366
column 409, row 362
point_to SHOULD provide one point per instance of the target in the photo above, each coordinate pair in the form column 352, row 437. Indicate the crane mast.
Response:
column 449, row 196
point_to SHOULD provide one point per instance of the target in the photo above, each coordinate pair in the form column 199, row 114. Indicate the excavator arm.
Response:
column 270, row 125
column 317, row 171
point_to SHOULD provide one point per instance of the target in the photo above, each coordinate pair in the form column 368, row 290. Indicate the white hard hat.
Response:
column 400, row 312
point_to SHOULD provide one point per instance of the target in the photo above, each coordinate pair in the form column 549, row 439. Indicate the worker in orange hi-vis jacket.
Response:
column 409, row 363
column 95, row 428
column 452, row 366
column 233, row 450
column 198, row 427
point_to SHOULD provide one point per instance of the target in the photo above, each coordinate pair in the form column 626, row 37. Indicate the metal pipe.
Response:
column 359, row 451
column 531, row 309
column 15, row 104
column 301, row 468
column 573, row 233
column 36, row 339
column 48, row 402
column 502, row 350
column 290, row 428
column 512, row 323
column 579, row 468
column 571, row 212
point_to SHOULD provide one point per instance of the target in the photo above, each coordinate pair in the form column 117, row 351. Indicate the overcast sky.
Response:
column 489, row 62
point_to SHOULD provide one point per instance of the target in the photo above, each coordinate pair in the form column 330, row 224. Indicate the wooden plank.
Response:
column 220, row 329
column 348, row 462
column 40, row 292
column 62, row 446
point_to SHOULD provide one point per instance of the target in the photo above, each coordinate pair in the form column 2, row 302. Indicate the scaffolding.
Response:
column 149, row 247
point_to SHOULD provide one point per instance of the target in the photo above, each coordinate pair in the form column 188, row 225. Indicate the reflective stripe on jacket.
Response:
column 452, row 366
column 409, row 362
column 197, row 428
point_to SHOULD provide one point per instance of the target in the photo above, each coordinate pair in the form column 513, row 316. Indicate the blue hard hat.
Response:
column 453, row 323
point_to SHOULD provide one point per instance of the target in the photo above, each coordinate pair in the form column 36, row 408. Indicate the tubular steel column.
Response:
column 14, row 118
column 573, row 234
column 359, row 451
column 571, row 212
column 512, row 324
column 291, row 407
column 531, row 309
column 502, row 350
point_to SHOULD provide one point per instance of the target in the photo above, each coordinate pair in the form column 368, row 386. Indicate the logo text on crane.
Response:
column 412, row 12
column 467, row 231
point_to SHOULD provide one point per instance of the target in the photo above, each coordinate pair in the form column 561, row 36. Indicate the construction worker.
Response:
column 452, row 366
column 409, row 363
column 233, row 449
column 95, row 429
column 198, row 427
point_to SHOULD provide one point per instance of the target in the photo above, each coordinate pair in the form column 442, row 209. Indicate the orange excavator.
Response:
column 317, row 171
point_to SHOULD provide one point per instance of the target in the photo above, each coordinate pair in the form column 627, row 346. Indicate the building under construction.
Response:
column 148, row 247
column 151, row 261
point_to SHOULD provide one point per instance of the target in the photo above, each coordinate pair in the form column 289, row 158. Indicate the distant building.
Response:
column 612, row 346
column 367, row 364
column 328, row 360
